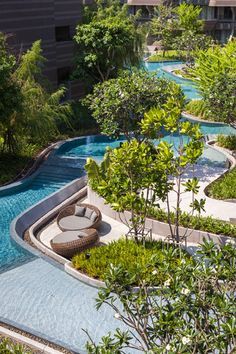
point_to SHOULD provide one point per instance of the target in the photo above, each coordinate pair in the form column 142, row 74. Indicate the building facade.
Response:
column 219, row 15
column 52, row 21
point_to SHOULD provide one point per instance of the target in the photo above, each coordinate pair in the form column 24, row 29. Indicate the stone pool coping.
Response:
column 24, row 340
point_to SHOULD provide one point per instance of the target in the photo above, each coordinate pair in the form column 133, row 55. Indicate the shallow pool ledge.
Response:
column 29, row 217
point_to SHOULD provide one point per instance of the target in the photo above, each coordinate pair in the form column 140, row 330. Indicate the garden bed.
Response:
column 149, row 259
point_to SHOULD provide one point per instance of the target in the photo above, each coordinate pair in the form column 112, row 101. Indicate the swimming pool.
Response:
column 95, row 147
column 34, row 294
column 188, row 86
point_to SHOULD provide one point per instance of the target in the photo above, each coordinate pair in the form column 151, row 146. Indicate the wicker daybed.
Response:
column 67, row 243
column 79, row 217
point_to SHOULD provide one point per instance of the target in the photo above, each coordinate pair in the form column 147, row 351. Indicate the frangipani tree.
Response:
column 193, row 311
column 140, row 173
column 176, row 159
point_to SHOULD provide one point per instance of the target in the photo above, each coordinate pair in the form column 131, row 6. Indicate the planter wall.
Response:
column 158, row 228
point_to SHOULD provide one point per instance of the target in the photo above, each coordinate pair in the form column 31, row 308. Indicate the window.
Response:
column 62, row 33
column 228, row 13
column 63, row 75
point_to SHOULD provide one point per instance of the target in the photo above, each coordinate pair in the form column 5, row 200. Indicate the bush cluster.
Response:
column 198, row 108
column 224, row 187
column 227, row 141
column 134, row 257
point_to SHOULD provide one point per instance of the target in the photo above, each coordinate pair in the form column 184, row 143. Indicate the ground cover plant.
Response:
column 224, row 187
column 197, row 222
column 193, row 311
column 199, row 109
column 132, row 256
column 227, row 141
column 9, row 347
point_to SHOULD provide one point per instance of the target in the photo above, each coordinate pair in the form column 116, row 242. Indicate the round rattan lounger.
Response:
column 68, row 221
column 68, row 243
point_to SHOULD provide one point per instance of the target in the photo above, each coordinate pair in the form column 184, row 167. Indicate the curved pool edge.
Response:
column 29, row 216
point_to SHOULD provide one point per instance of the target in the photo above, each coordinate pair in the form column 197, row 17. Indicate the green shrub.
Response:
column 224, row 187
column 227, row 141
column 131, row 255
column 170, row 55
column 198, row 109
column 8, row 347
column 202, row 223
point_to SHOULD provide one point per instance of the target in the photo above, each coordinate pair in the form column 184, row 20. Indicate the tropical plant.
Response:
column 177, row 161
column 118, row 105
column 138, row 174
column 8, row 347
column 10, row 93
column 215, row 74
column 111, row 40
column 191, row 38
column 163, row 26
column 227, row 141
column 192, row 311
column 28, row 108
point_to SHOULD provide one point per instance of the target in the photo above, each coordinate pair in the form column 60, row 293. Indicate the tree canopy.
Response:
column 111, row 40
column 118, row 105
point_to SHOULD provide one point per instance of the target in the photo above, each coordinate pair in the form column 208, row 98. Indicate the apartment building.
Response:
column 52, row 21
column 219, row 15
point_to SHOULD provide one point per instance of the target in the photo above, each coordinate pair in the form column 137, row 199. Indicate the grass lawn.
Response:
column 169, row 56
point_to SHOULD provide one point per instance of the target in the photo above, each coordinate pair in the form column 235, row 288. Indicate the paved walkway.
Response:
column 216, row 208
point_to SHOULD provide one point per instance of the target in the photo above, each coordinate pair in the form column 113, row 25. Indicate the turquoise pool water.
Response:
column 188, row 86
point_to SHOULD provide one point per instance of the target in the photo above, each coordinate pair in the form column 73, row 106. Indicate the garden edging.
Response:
column 158, row 227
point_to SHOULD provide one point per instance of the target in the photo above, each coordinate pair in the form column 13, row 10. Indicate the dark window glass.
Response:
column 63, row 75
column 228, row 13
column 62, row 33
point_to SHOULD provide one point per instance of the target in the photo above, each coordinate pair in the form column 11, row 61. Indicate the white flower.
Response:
column 117, row 315
column 168, row 347
column 185, row 291
column 186, row 340
column 167, row 282
column 154, row 272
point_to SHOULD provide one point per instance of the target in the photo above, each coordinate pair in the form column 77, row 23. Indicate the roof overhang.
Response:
column 222, row 3
column 144, row 2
